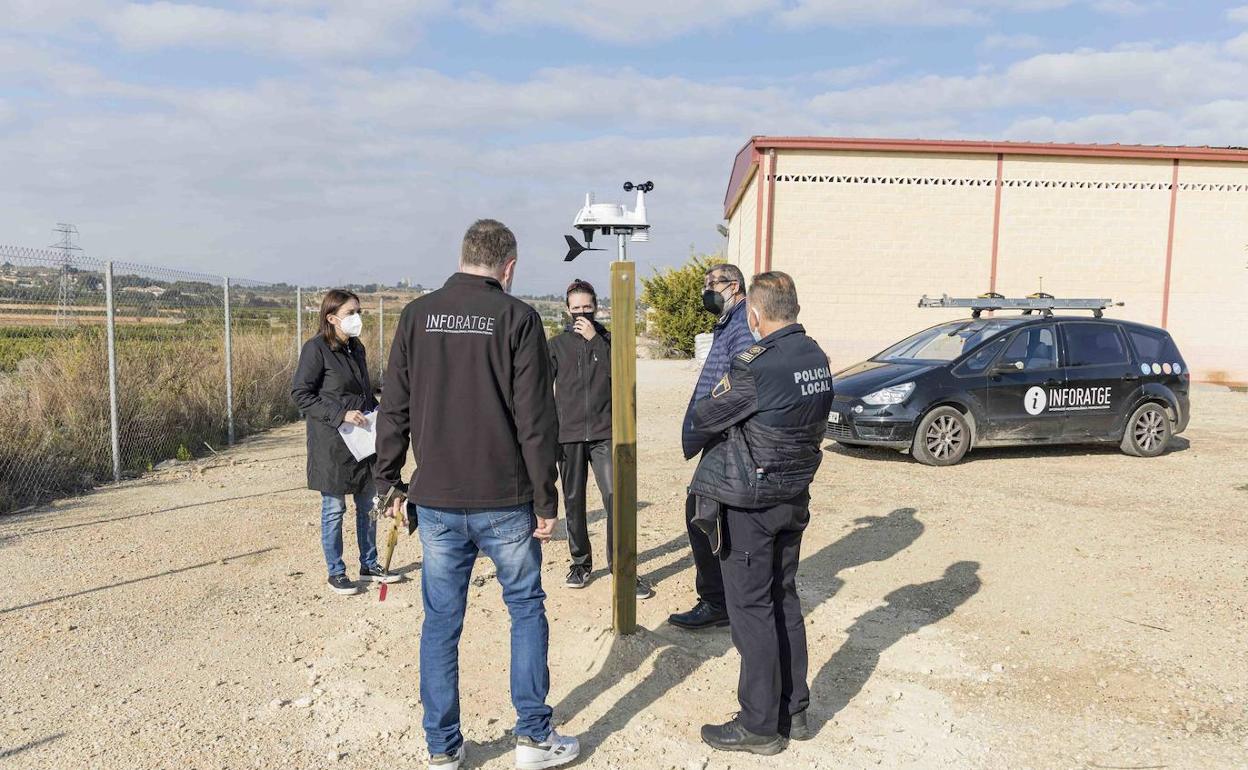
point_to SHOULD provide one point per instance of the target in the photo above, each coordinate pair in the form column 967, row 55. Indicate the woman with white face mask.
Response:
column 332, row 387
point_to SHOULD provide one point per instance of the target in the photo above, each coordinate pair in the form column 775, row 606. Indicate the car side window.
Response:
column 1035, row 348
column 1153, row 346
column 980, row 360
column 1093, row 344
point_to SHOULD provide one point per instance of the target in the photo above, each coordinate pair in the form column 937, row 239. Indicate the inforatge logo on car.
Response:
column 1038, row 399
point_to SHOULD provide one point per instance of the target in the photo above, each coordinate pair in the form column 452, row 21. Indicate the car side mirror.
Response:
column 1008, row 367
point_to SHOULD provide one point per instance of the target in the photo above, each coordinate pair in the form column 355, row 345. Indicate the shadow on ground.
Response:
column 884, row 454
column 681, row 653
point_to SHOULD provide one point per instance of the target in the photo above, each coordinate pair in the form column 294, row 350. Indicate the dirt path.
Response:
column 1027, row 609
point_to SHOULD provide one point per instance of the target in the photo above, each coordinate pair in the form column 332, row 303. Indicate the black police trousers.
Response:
column 708, row 579
column 762, row 548
column 574, row 463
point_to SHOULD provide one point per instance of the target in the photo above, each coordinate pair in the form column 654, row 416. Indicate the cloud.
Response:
column 917, row 13
column 1238, row 14
column 345, row 165
column 1124, row 7
column 1214, row 123
column 307, row 29
column 636, row 21
column 1000, row 42
column 1142, row 77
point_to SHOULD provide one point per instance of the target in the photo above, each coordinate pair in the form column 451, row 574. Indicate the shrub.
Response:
column 54, row 434
column 676, row 315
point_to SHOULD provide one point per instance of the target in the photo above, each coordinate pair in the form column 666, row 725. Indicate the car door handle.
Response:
column 1130, row 377
column 1052, row 383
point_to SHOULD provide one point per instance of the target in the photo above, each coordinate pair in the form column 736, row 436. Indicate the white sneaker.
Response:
column 556, row 750
column 447, row 761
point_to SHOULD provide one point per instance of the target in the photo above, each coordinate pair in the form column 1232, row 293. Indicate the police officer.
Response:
column 761, row 428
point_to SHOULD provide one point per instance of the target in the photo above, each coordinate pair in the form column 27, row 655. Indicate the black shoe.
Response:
column 733, row 737
column 644, row 591
column 798, row 727
column 378, row 575
column 340, row 585
column 578, row 577
column 702, row 616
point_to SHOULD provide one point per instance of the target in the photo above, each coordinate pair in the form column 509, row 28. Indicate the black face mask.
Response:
column 713, row 301
column 586, row 315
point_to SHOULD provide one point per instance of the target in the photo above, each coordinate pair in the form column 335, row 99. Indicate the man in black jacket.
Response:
column 580, row 359
column 761, row 429
column 468, row 381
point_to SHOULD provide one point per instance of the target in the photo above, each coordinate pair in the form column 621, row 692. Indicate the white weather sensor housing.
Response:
column 610, row 218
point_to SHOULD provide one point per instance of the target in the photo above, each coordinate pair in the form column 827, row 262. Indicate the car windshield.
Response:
column 945, row 342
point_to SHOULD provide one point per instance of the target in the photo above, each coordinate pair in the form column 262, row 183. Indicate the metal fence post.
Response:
column 229, row 366
column 113, row 422
column 298, row 321
column 381, row 337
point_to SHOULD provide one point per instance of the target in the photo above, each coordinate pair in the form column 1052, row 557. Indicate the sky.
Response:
column 352, row 141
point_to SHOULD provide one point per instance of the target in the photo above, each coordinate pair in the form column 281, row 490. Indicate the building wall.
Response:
column 1209, row 273
column 1086, row 227
column 865, row 234
column 741, row 230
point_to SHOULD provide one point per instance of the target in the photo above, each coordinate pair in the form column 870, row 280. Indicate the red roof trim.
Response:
column 1125, row 151
column 741, row 168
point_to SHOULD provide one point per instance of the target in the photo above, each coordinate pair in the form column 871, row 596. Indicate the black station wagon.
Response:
column 1035, row 378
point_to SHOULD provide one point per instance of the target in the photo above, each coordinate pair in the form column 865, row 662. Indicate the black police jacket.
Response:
column 762, row 425
column 327, row 384
column 582, row 372
column 468, row 382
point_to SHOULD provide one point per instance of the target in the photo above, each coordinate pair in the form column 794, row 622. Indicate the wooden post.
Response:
column 624, row 444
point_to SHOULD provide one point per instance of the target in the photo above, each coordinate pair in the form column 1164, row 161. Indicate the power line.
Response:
column 66, row 246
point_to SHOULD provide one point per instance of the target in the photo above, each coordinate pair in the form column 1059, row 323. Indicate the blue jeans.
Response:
column 450, row 542
column 332, row 509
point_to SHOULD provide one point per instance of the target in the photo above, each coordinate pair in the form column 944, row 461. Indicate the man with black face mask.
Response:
column 580, row 360
column 724, row 295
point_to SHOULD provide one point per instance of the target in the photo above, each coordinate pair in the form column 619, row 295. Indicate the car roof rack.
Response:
column 1040, row 302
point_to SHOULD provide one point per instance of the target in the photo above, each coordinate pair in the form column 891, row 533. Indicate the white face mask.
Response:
column 352, row 325
column 758, row 335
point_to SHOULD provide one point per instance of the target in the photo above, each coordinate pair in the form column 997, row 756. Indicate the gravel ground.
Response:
column 1053, row 608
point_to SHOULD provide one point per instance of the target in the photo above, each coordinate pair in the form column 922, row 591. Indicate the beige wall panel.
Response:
column 1048, row 167
column 863, row 254
column 1209, row 275
column 1086, row 243
column 741, row 230
column 886, row 164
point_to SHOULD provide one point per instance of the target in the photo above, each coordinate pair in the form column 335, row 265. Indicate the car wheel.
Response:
column 942, row 438
column 1148, row 431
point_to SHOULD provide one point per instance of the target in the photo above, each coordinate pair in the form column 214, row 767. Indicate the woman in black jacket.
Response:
column 332, row 387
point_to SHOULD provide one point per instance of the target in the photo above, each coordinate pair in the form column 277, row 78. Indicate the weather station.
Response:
column 608, row 219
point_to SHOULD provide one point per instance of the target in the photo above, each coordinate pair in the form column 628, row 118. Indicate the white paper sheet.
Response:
column 362, row 441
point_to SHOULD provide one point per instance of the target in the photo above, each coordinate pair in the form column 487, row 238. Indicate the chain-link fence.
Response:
column 109, row 369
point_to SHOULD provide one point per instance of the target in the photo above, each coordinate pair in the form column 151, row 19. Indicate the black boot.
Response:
column 795, row 727
column 733, row 737
column 702, row 616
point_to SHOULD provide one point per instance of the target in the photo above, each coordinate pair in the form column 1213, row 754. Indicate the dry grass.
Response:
column 54, row 417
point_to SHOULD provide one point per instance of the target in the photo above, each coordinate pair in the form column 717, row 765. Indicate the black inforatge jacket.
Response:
column 468, row 382
column 763, row 423
column 329, row 383
column 582, row 371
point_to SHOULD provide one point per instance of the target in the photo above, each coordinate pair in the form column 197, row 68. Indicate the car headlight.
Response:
column 894, row 395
